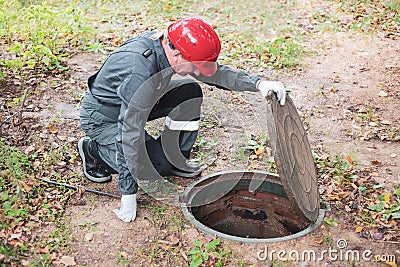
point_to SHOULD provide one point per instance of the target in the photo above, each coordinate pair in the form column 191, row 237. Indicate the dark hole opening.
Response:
column 247, row 214
column 259, row 214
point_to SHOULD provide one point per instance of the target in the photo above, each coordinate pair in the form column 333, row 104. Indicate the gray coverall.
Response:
column 117, row 90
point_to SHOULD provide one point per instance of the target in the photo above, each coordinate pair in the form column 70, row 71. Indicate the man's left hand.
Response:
column 127, row 210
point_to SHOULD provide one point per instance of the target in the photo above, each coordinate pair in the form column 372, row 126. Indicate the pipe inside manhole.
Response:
column 245, row 206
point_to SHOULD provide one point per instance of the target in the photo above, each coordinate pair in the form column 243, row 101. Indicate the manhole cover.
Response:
column 293, row 156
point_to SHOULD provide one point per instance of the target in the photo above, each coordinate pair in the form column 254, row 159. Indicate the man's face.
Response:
column 184, row 67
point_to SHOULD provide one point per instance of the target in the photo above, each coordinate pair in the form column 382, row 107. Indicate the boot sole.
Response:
column 189, row 174
column 88, row 176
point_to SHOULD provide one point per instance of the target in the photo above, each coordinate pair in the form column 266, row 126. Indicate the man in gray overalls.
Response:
column 136, row 80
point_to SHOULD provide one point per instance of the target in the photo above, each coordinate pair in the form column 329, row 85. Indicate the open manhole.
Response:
column 228, row 205
column 257, row 206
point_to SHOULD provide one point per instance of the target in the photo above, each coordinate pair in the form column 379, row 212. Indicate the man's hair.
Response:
column 159, row 34
column 164, row 35
column 171, row 45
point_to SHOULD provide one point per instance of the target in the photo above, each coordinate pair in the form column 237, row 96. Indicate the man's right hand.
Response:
column 127, row 210
column 277, row 87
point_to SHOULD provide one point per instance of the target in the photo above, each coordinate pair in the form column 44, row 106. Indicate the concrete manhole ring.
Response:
column 222, row 205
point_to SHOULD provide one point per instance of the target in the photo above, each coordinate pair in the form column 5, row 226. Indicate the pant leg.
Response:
column 181, row 106
column 103, row 129
column 99, row 122
column 153, row 160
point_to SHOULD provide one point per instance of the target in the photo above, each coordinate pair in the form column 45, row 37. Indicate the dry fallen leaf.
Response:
column 123, row 254
column 52, row 129
column 376, row 163
column 359, row 229
column 174, row 240
column 29, row 150
column 260, row 150
column 333, row 197
column 27, row 187
column 61, row 163
column 319, row 240
column 62, row 137
column 344, row 194
column 16, row 242
column 68, row 261
column 391, row 263
column 36, row 164
column 252, row 157
column 44, row 250
column 387, row 197
column 16, row 236
column 184, row 256
column 386, row 122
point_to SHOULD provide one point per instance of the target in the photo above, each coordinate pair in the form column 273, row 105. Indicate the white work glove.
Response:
column 277, row 87
column 127, row 211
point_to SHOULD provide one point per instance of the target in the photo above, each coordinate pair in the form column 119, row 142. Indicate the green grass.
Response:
column 379, row 200
column 212, row 251
column 39, row 36
column 14, row 169
column 373, row 14
column 22, row 198
column 42, row 35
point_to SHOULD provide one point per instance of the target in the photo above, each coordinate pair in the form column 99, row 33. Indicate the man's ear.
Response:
column 175, row 54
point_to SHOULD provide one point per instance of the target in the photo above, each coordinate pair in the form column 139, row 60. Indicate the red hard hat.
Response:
column 197, row 42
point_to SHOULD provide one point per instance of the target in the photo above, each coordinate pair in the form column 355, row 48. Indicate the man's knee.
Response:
column 190, row 104
column 194, row 90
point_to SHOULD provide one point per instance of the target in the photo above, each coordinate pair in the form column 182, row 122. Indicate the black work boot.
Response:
column 177, row 146
column 190, row 170
column 94, row 168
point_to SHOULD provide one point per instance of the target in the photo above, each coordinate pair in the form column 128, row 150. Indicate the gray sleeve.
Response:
column 231, row 79
column 132, row 110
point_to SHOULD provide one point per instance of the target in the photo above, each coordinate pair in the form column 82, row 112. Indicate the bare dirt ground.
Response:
column 349, row 97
